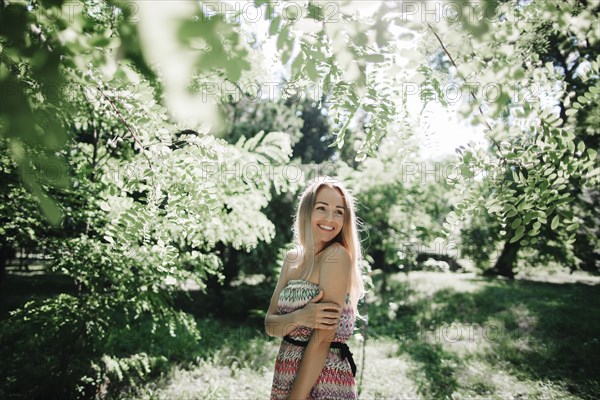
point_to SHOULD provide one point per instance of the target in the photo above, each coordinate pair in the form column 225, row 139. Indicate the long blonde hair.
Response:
column 348, row 237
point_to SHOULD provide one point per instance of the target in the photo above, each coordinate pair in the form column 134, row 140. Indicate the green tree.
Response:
column 402, row 201
column 141, row 205
column 535, row 159
column 315, row 145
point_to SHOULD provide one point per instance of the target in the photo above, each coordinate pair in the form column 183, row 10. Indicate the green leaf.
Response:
column 555, row 221
column 581, row 147
column 534, row 232
column 283, row 39
column 374, row 58
column 516, row 237
column 516, row 223
column 274, row 27
column 520, row 230
column 104, row 206
column 518, row 73
column 98, row 41
column 298, row 63
column 529, row 216
column 515, row 176
column 311, row 70
column 573, row 227
column 285, row 55
column 571, row 111
column 524, row 205
column 590, row 96
column 50, row 209
column 315, row 12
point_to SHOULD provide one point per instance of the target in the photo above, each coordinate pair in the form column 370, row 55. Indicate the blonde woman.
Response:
column 314, row 305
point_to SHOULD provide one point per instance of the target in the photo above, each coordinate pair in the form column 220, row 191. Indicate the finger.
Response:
column 326, row 325
column 332, row 305
column 331, row 320
column 331, row 308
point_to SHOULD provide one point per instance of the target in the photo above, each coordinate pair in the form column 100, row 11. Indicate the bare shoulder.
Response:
column 291, row 263
column 336, row 254
column 335, row 272
column 293, row 257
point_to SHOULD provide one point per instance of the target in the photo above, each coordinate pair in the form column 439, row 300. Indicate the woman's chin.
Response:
column 326, row 239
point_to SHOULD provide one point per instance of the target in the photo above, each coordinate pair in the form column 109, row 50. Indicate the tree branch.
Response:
column 128, row 127
column 504, row 160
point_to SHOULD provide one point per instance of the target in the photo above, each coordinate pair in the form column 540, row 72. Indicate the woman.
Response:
column 314, row 361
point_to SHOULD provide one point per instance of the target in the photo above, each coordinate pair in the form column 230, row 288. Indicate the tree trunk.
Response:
column 6, row 254
column 2, row 269
column 379, row 262
column 504, row 263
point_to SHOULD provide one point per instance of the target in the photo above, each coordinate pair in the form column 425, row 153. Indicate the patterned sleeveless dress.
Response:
column 336, row 380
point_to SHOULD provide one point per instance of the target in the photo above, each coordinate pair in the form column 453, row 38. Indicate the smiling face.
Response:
column 328, row 214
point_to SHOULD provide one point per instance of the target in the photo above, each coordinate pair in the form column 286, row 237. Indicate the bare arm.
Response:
column 323, row 314
column 335, row 282
column 275, row 324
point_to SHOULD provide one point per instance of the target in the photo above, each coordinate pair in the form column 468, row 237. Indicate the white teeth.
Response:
column 329, row 228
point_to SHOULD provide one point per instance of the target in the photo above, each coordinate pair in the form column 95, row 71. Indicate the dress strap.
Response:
column 343, row 347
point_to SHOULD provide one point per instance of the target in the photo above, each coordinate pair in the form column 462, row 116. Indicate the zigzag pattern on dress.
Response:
column 336, row 380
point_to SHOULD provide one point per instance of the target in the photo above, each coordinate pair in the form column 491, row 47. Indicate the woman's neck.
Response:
column 320, row 247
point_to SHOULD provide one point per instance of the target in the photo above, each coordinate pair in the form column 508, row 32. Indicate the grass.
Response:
column 430, row 336
column 231, row 361
column 472, row 337
column 438, row 336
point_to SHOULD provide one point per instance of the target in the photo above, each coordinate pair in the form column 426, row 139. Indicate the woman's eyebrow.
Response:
column 342, row 207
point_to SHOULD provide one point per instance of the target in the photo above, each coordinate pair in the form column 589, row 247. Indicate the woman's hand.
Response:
column 319, row 315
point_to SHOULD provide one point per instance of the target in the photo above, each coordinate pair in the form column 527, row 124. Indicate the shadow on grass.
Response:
column 397, row 317
column 540, row 331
